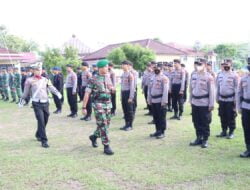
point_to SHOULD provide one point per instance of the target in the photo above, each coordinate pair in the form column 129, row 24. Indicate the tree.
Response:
column 71, row 57
column 138, row 55
column 225, row 51
column 15, row 43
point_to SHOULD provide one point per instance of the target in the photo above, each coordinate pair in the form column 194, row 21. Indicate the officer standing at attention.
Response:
column 12, row 84
column 243, row 107
column 79, row 83
column 136, row 75
column 1, row 84
column 71, row 87
column 210, row 69
column 177, row 87
column 113, row 94
column 127, row 96
column 17, row 83
column 227, row 85
column 86, row 76
column 39, row 86
column 202, row 100
column 95, row 70
column 58, row 84
column 148, row 73
column 100, row 87
column 5, row 84
column 169, row 75
column 158, row 99
column 186, row 82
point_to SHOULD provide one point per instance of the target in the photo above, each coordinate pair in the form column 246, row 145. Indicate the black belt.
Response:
column 200, row 97
column 246, row 100
column 156, row 96
column 228, row 96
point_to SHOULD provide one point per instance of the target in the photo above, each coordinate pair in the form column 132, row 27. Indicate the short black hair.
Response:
column 84, row 63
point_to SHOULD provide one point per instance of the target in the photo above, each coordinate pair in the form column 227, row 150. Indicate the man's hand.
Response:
column 210, row 108
column 163, row 106
column 84, row 111
column 181, row 93
column 73, row 93
column 130, row 100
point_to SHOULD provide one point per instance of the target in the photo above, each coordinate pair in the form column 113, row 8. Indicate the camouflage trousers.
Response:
column 103, row 116
column 6, row 92
column 13, row 93
column 19, row 92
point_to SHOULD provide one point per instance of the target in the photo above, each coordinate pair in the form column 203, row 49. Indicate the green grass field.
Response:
column 139, row 161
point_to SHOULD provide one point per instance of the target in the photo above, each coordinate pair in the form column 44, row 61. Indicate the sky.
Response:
column 101, row 22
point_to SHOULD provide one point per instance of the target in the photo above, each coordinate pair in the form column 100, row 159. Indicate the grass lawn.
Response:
column 139, row 161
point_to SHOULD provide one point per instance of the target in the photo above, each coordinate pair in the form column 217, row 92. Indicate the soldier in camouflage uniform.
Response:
column 12, row 84
column 1, row 84
column 5, row 80
column 17, row 83
column 100, row 87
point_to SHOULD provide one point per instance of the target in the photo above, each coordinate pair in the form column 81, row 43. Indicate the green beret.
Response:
column 102, row 63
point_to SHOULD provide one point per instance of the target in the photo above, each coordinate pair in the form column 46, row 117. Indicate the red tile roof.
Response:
column 24, row 57
column 156, row 46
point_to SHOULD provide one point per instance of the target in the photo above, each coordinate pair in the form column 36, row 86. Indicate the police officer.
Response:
column 71, row 87
column 202, row 100
column 100, row 87
column 12, row 84
column 5, row 79
column 86, row 76
column 58, row 84
column 24, row 77
column 113, row 94
column 177, row 87
column 39, row 86
column 17, row 83
column 210, row 69
column 79, row 83
column 243, row 107
column 148, row 73
column 186, row 82
column 44, row 73
column 158, row 99
column 169, row 75
column 95, row 70
column 227, row 84
column 136, row 75
column 127, row 95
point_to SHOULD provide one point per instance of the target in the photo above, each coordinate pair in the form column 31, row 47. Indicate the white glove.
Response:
column 21, row 103
column 59, row 96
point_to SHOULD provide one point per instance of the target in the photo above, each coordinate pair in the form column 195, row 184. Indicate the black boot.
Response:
column 124, row 127
column 108, row 150
column 154, row 134
column 45, row 145
column 174, row 116
column 222, row 134
column 93, row 138
column 197, row 141
column 246, row 154
column 129, row 127
column 230, row 135
column 204, row 144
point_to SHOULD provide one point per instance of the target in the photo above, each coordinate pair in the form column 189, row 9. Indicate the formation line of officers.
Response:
column 165, row 88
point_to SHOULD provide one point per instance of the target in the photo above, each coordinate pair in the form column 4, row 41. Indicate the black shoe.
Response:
column 45, row 145
column 174, row 117
column 74, row 115
column 129, row 128
column 146, row 114
column 83, row 118
column 170, row 110
column 145, row 108
column 204, row 144
column 13, row 101
column 70, row 115
column 39, row 139
column 178, row 118
column 93, row 138
column 196, row 142
column 160, row 136
column 123, row 128
column 245, row 154
column 57, row 112
column 230, row 136
column 222, row 134
column 6, row 99
column 151, row 122
column 108, row 150
column 154, row 134
column 87, row 118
